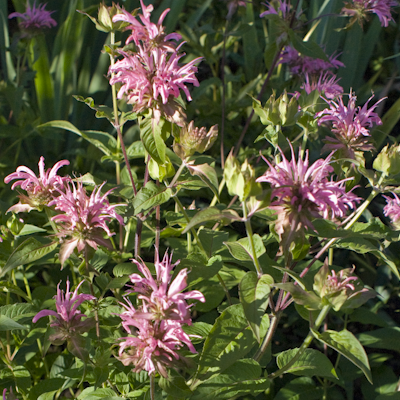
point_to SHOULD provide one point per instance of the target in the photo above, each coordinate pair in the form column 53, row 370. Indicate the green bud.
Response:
column 192, row 139
column 161, row 171
column 15, row 225
column 388, row 160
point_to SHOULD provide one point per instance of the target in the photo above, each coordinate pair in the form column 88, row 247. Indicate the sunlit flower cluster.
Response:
column 349, row 125
column 151, row 76
column 359, row 10
column 156, row 325
column 392, row 209
column 301, row 192
column 34, row 19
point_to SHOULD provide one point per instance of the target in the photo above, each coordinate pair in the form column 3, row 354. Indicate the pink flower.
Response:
column 301, row 192
column 326, row 84
column 392, row 209
column 349, row 124
column 10, row 397
column 337, row 283
column 147, row 34
column 359, row 9
column 300, row 64
column 154, row 79
column 40, row 190
column 84, row 218
column 163, row 298
column 68, row 319
column 154, row 344
column 281, row 6
column 232, row 6
column 34, row 19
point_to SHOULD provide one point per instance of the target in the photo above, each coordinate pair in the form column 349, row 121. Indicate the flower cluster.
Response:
column 68, row 319
column 392, row 210
column 301, row 192
column 151, row 77
column 326, row 84
column 349, row 125
column 281, row 7
column 83, row 218
column 359, row 9
column 156, row 325
column 34, row 19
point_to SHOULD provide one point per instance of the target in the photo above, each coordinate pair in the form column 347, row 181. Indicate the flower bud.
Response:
column 104, row 21
column 192, row 139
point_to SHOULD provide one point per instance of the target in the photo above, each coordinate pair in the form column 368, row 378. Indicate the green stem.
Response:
column 268, row 337
column 307, row 341
column 177, row 175
column 152, row 387
column 249, row 232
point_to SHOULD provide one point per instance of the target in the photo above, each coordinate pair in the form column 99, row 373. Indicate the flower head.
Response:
column 392, row 210
column 68, row 319
column 41, row 189
column 326, row 84
column 84, row 218
column 35, row 18
column 300, row 64
column 144, row 32
column 163, row 298
column 278, row 7
column 301, row 192
column 349, row 124
column 153, row 344
column 359, row 9
column 10, row 397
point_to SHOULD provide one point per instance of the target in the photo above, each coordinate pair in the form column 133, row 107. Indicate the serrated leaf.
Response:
column 212, row 240
column 101, row 111
column 125, row 269
column 28, row 251
column 175, row 385
column 229, row 340
column 254, row 296
column 136, row 150
column 241, row 249
column 17, row 311
column 7, row 324
column 385, row 338
column 212, row 214
column 150, row 133
column 150, row 196
column 207, row 174
column 345, row 343
column 311, row 363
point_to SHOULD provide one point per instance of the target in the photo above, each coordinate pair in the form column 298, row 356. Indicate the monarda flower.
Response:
column 84, row 218
column 326, row 84
column 35, row 19
column 40, row 190
column 392, row 210
column 359, row 10
column 68, row 319
column 164, row 299
column 349, row 125
column 301, row 193
column 279, row 7
column 153, row 345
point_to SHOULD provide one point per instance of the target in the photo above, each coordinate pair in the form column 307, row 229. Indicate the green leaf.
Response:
column 212, row 240
column 44, row 386
column 29, row 229
column 102, row 140
column 7, row 324
column 175, row 385
column 28, row 251
column 101, row 111
column 212, row 214
column 385, row 338
column 241, row 250
column 136, row 150
column 300, row 296
column 389, row 396
column 150, row 133
column 125, row 269
column 309, row 48
column 17, row 311
column 311, row 363
column 150, row 196
column 207, row 174
column 345, row 343
column 230, row 339
column 300, row 389
column 254, row 296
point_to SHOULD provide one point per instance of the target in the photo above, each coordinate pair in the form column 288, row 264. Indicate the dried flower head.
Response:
column 84, row 218
column 349, row 125
column 164, row 299
column 40, row 190
column 34, row 19
column 301, row 192
column 68, row 319
column 359, row 10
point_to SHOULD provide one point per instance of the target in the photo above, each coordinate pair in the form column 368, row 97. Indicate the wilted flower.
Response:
column 349, row 124
column 35, row 18
column 40, row 190
column 392, row 210
column 68, row 319
column 326, row 84
column 164, row 299
column 147, row 34
column 300, row 64
column 84, row 218
column 359, row 9
column 193, row 139
column 154, row 344
column 301, row 192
